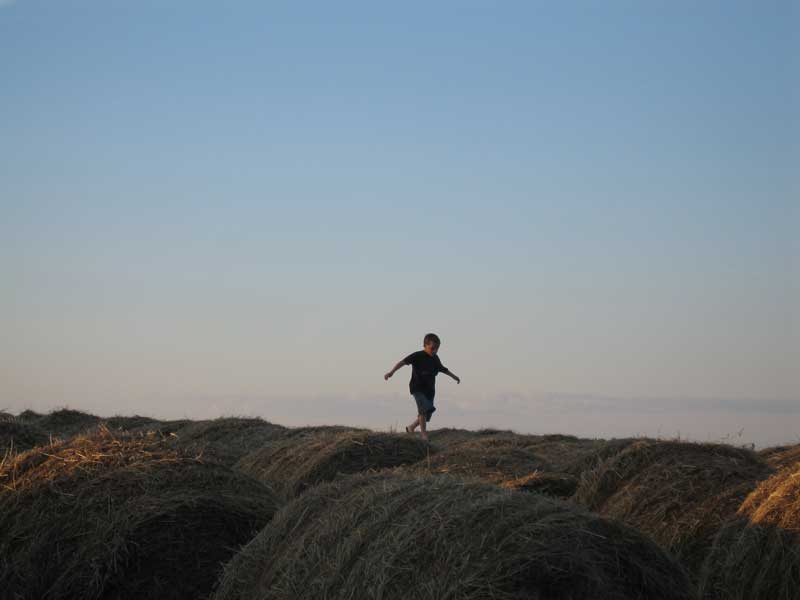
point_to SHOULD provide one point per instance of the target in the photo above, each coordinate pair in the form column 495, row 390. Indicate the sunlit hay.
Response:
column 6, row 416
column 292, row 465
column 678, row 493
column 757, row 556
column 17, row 436
column 227, row 439
column 107, row 516
column 781, row 457
column 65, row 422
column 395, row 537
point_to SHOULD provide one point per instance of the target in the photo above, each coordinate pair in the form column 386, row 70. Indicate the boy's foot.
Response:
column 408, row 429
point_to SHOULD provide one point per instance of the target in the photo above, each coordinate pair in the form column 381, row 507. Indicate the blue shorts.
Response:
column 425, row 405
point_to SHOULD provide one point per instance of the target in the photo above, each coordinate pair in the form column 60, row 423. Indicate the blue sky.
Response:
column 274, row 200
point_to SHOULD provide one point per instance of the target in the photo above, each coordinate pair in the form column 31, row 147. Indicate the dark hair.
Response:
column 431, row 337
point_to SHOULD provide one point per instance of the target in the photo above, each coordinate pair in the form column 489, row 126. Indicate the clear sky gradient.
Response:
column 259, row 207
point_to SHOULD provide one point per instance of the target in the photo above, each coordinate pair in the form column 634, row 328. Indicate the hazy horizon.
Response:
column 258, row 209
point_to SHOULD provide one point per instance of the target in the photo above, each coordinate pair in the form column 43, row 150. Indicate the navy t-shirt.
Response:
column 424, row 369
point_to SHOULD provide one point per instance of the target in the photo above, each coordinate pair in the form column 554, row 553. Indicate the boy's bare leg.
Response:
column 414, row 424
column 423, row 430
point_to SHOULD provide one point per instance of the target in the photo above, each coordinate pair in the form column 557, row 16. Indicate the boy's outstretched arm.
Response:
column 399, row 365
column 453, row 375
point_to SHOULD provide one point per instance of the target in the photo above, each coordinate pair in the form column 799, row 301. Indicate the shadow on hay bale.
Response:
column 227, row 439
column 17, row 436
column 781, row 457
column 447, row 436
column 678, row 493
column 133, row 423
column 395, row 537
column 564, row 453
column 499, row 461
column 292, row 432
column 65, row 422
column 103, row 516
column 29, row 415
column 757, row 555
column 290, row 466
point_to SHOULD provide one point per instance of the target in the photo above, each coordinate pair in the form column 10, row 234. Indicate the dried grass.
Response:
column 757, row 556
column 227, row 439
column 393, row 537
column 678, row 493
column 294, row 464
column 119, row 516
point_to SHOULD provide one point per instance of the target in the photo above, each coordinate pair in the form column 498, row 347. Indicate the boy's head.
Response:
column 431, row 343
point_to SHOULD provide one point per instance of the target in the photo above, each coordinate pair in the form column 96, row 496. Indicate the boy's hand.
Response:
column 386, row 377
column 458, row 380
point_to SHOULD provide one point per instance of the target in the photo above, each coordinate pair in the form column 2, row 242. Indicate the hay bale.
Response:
column 134, row 423
column 559, row 485
column 6, row 416
column 290, row 466
column 757, row 555
column 678, row 493
column 29, row 415
column 105, row 516
column 447, row 436
column 493, row 460
column 19, row 436
column 781, row 457
column 226, row 439
column 395, row 537
column 163, row 428
column 292, row 432
column 65, row 422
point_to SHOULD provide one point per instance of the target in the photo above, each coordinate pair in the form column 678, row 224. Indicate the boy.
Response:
column 425, row 365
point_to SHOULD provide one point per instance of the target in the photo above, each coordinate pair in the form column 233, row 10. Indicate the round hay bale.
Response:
column 490, row 459
column 65, row 422
column 781, row 457
column 292, row 465
column 29, row 415
column 757, row 556
column 134, row 423
column 19, row 436
column 678, row 493
column 559, row 485
column 227, row 439
column 292, row 432
column 5, row 416
column 121, row 517
column 446, row 436
column 164, row 428
column 395, row 537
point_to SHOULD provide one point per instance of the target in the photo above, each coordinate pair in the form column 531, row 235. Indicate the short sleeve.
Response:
column 410, row 359
column 440, row 367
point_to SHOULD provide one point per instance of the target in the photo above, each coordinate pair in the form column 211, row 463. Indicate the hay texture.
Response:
column 393, row 537
column 781, row 457
column 65, row 422
column 134, row 423
column 291, row 466
column 757, row 556
column 105, row 516
column 499, row 461
column 678, row 493
column 227, row 439
column 16, row 436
